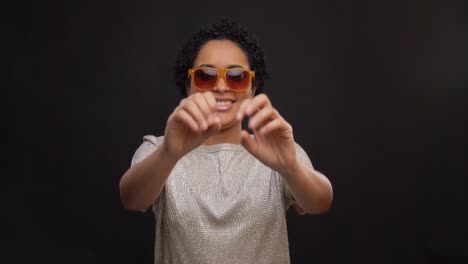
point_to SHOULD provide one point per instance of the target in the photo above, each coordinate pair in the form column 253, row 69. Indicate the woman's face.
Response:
column 223, row 54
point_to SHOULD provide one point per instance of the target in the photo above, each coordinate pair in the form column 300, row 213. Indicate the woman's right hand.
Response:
column 193, row 121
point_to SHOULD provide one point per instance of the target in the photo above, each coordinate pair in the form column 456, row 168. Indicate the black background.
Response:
column 374, row 90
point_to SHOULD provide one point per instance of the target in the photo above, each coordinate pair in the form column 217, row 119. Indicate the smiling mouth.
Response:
column 224, row 105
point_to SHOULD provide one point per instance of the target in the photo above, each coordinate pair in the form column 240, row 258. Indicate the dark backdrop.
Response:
column 375, row 91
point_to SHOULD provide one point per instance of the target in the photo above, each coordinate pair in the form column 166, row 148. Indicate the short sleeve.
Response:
column 149, row 144
column 304, row 158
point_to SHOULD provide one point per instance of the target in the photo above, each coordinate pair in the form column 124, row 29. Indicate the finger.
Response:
column 200, row 101
column 249, row 144
column 241, row 113
column 276, row 124
column 182, row 116
column 264, row 116
column 259, row 102
column 210, row 101
column 214, row 127
column 192, row 109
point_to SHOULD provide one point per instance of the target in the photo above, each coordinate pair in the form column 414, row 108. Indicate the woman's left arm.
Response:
column 311, row 189
column 273, row 144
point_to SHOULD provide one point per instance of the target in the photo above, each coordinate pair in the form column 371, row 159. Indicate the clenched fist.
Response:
column 193, row 121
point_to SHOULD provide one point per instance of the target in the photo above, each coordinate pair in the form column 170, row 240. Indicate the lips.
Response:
column 223, row 104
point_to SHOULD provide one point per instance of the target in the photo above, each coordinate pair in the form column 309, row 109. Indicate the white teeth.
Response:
column 223, row 103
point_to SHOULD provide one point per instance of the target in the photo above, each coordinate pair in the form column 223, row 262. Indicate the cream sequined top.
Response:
column 220, row 205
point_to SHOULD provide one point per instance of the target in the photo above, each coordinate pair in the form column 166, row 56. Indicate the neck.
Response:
column 228, row 135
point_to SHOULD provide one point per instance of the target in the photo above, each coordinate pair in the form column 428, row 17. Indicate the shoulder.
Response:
column 299, row 148
column 302, row 155
column 153, row 140
column 149, row 144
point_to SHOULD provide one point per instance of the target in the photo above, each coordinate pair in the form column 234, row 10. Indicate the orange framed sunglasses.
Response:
column 206, row 78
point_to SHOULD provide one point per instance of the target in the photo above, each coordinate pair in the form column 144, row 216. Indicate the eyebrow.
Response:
column 229, row 67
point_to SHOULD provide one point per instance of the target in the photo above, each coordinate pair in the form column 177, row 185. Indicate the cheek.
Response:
column 244, row 96
column 190, row 89
column 240, row 100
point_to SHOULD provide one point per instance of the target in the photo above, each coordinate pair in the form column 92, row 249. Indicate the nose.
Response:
column 221, row 86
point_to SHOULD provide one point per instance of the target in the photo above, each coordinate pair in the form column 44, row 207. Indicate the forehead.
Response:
column 221, row 54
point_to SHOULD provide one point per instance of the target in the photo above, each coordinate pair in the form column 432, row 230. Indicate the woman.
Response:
column 220, row 194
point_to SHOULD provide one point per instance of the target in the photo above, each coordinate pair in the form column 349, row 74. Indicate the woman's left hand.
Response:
column 273, row 143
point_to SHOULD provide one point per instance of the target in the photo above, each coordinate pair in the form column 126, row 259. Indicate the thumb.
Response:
column 250, row 144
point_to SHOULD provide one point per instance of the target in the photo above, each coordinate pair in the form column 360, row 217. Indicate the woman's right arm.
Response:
column 191, row 123
column 143, row 182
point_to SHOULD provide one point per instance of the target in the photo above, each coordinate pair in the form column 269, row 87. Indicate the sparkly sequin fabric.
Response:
column 220, row 205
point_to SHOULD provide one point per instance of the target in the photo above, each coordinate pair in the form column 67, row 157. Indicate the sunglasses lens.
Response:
column 238, row 79
column 205, row 79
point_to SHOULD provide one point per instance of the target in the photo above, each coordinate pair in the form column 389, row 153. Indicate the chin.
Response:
column 228, row 122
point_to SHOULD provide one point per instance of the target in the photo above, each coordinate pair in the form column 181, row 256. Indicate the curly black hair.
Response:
column 223, row 29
